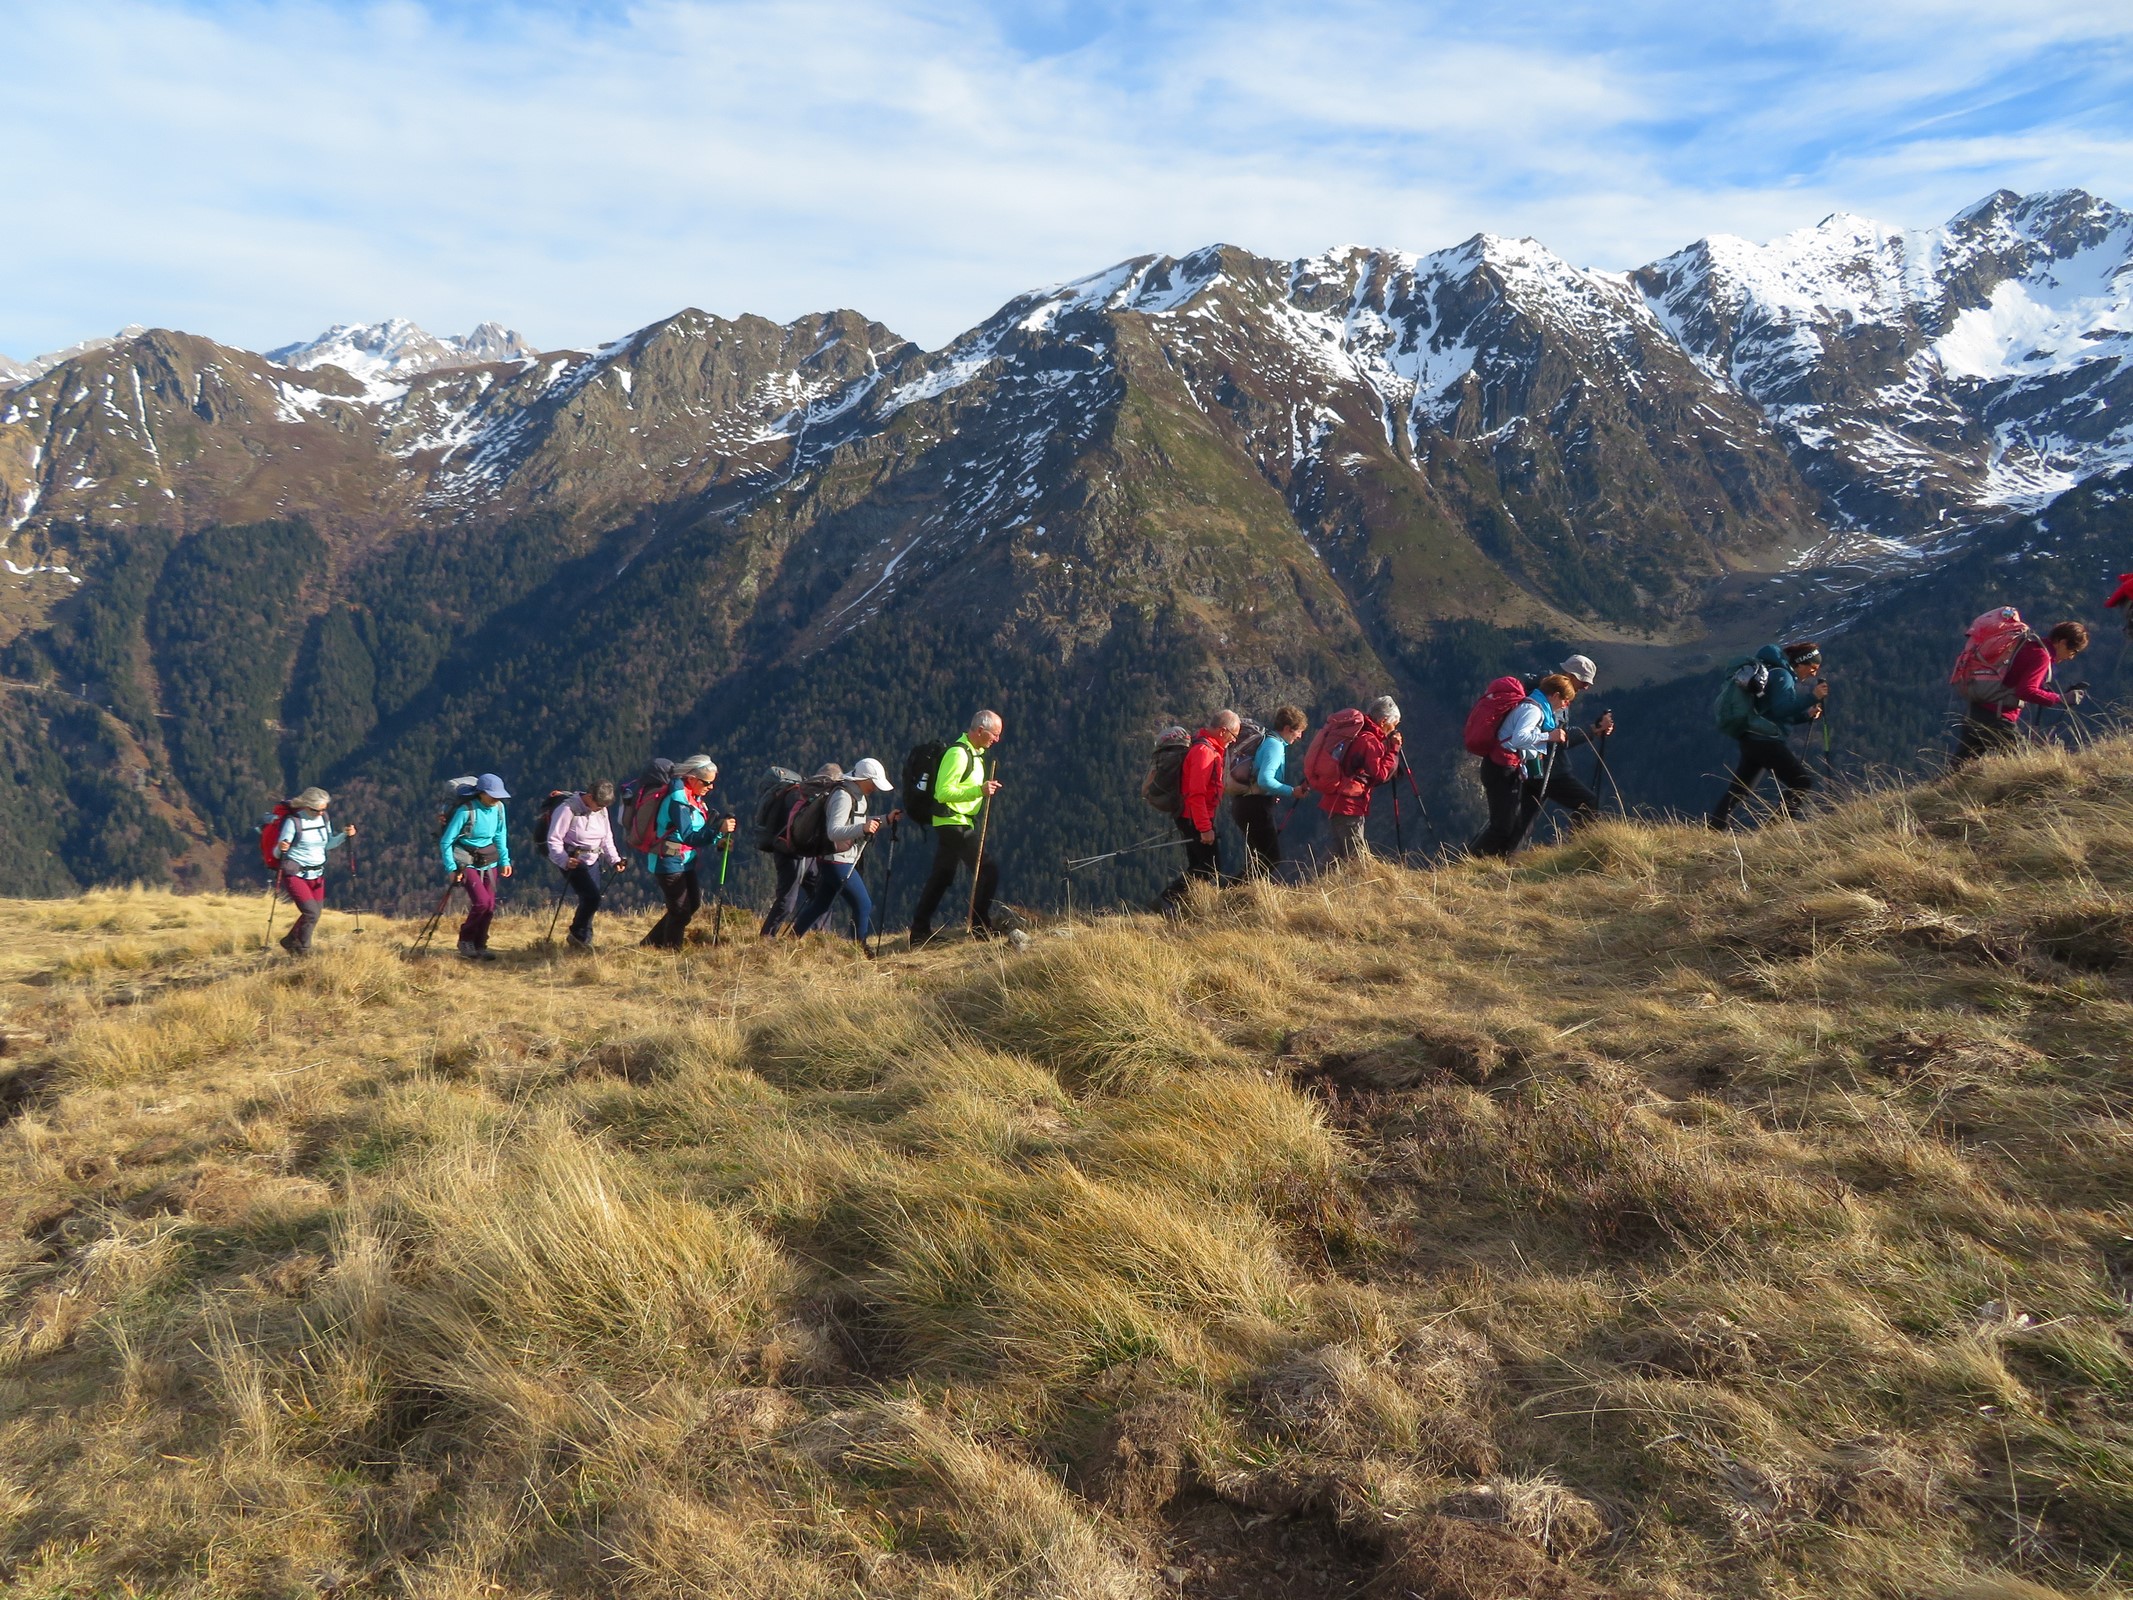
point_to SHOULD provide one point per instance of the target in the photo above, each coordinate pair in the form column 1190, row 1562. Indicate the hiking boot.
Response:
column 572, row 942
column 469, row 950
column 921, row 937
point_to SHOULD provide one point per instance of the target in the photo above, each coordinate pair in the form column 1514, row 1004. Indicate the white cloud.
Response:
column 254, row 171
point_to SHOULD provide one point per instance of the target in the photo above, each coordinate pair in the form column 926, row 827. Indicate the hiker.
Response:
column 581, row 843
column 797, row 879
column 685, row 818
column 1766, row 696
column 962, row 786
column 1199, row 797
column 300, row 858
column 1353, row 753
column 1266, row 782
column 848, row 826
column 2123, row 596
column 1992, row 714
column 797, row 875
column 476, row 846
column 1523, row 769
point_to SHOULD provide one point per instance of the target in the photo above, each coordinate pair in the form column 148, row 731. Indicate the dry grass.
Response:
column 1659, row 1215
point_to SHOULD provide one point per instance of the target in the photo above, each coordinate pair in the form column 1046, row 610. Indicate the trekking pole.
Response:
column 1600, row 766
column 978, row 866
column 273, row 905
column 422, row 939
column 1399, row 834
column 556, row 915
column 718, row 901
column 1421, row 806
column 888, row 879
column 355, row 886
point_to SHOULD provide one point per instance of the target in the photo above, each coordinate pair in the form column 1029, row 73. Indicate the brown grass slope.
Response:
column 1661, row 1216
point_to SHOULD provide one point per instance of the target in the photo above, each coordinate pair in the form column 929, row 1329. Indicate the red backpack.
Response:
column 1329, row 747
column 1981, row 670
column 270, row 834
column 1482, row 723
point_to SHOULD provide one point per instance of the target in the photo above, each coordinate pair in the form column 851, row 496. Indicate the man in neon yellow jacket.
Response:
column 961, row 787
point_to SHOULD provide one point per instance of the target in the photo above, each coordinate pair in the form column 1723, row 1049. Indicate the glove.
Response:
column 2076, row 693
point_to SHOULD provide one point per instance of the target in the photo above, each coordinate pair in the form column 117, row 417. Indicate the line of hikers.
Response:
column 817, row 828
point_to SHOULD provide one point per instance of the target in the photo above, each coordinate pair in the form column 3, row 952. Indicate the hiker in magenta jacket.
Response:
column 1372, row 758
column 1200, row 796
column 1993, row 726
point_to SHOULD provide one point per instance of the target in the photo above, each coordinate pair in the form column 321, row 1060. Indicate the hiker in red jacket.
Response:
column 1992, row 724
column 1200, row 794
column 1371, row 757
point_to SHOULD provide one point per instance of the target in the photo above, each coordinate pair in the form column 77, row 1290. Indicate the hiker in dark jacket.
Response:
column 1526, row 769
column 963, row 787
column 1990, row 727
column 581, row 844
column 1763, row 701
column 1200, row 784
column 300, row 853
column 686, row 825
column 1253, row 810
column 1371, row 759
column 476, row 847
column 851, row 829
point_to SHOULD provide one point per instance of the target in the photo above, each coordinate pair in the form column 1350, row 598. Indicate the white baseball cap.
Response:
column 1580, row 668
column 870, row 771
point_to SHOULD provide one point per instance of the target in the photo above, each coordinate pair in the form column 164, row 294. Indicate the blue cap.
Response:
column 492, row 786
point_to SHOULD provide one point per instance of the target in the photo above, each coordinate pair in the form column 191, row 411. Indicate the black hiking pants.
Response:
column 1985, row 733
column 1202, row 861
column 1758, row 756
column 953, row 849
column 795, row 888
column 1511, row 809
column 1254, row 817
column 585, row 883
column 1566, row 790
column 684, row 896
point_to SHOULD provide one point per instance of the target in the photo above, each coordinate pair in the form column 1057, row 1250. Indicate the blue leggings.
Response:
column 838, row 878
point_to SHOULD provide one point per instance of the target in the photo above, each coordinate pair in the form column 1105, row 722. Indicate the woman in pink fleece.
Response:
column 1990, row 726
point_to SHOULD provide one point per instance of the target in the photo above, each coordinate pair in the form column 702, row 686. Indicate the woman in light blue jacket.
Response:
column 476, row 847
column 1251, row 807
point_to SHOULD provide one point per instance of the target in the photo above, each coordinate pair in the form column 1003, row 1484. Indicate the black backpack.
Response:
column 807, row 830
column 773, row 809
column 640, row 799
column 544, row 815
column 921, row 767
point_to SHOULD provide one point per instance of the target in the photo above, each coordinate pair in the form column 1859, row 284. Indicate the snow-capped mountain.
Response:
column 395, row 350
column 1922, row 376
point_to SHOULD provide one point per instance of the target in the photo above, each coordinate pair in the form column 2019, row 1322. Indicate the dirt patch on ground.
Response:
column 1212, row 1550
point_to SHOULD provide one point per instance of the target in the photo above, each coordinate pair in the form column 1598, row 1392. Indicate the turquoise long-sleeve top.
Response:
column 1269, row 762
column 475, row 825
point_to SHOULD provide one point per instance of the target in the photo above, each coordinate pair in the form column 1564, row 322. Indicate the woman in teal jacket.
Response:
column 476, row 847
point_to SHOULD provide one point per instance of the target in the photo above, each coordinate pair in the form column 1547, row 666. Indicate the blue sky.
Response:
column 255, row 171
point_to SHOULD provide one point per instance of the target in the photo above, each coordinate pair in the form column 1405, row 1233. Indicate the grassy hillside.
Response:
column 1665, row 1215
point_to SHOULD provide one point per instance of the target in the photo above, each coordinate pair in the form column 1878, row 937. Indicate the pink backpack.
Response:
column 1497, row 701
column 1981, row 670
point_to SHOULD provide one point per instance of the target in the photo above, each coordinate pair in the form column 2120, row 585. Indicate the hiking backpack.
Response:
column 807, row 827
column 922, row 767
column 1240, row 768
column 1741, row 698
column 545, row 815
column 774, row 808
column 1980, row 674
column 1485, row 721
column 1329, row 749
column 1163, row 787
column 270, row 833
column 640, row 799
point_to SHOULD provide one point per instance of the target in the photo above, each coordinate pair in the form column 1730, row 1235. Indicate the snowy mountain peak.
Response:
column 19, row 372
column 396, row 349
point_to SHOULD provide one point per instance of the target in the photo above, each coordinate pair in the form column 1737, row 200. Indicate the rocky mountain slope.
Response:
column 1187, row 481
